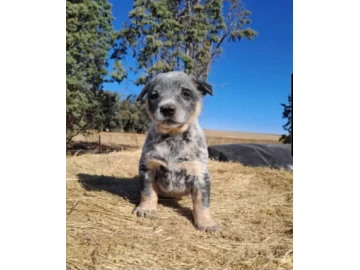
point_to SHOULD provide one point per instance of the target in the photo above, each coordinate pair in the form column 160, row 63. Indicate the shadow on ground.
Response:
column 129, row 189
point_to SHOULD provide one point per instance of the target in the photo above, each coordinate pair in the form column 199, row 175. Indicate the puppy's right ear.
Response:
column 204, row 87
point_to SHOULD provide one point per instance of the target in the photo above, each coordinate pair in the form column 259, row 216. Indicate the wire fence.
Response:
column 75, row 148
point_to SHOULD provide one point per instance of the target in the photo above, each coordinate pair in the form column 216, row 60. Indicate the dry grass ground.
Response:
column 253, row 206
column 117, row 139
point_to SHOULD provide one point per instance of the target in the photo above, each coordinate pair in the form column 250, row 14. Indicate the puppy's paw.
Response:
column 144, row 212
column 209, row 226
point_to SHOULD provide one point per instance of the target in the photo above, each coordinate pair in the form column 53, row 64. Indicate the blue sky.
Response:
column 250, row 79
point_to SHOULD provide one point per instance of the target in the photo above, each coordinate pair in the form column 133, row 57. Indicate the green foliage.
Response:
column 286, row 138
column 134, row 116
column 119, row 72
column 187, row 35
column 77, row 107
column 163, row 35
column 109, row 111
column 89, row 36
column 88, row 39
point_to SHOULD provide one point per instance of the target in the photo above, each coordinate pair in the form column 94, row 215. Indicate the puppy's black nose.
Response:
column 167, row 110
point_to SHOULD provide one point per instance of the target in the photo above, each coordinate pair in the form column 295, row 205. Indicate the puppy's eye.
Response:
column 186, row 93
column 154, row 95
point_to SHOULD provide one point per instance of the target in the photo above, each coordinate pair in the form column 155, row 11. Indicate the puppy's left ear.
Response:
column 143, row 93
column 203, row 87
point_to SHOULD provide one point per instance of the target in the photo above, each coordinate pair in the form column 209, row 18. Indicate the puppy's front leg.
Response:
column 201, row 204
column 149, row 197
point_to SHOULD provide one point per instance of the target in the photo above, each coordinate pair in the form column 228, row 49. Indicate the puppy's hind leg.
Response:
column 149, row 196
column 201, row 204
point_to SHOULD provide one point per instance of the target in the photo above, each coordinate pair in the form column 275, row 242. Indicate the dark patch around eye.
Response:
column 154, row 95
column 186, row 93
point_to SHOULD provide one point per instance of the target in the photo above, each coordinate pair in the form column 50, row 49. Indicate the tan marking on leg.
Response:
column 148, row 204
column 195, row 168
column 149, row 201
column 202, row 217
column 154, row 163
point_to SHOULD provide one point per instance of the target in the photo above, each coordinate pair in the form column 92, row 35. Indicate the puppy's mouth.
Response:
column 168, row 123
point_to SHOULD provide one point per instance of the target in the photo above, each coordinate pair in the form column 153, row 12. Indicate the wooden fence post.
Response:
column 100, row 143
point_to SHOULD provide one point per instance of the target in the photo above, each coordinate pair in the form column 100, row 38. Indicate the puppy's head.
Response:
column 174, row 100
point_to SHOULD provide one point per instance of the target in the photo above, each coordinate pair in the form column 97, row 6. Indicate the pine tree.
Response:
column 187, row 35
column 133, row 115
column 110, row 118
column 89, row 36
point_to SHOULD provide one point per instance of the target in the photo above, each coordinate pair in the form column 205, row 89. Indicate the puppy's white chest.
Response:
column 170, row 153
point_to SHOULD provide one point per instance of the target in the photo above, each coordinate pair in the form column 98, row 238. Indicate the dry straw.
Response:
column 253, row 206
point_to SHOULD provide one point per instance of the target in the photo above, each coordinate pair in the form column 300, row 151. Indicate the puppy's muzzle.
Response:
column 168, row 110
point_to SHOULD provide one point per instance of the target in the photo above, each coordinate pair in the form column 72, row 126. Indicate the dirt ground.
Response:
column 253, row 206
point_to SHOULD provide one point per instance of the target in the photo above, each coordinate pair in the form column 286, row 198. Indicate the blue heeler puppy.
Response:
column 174, row 157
